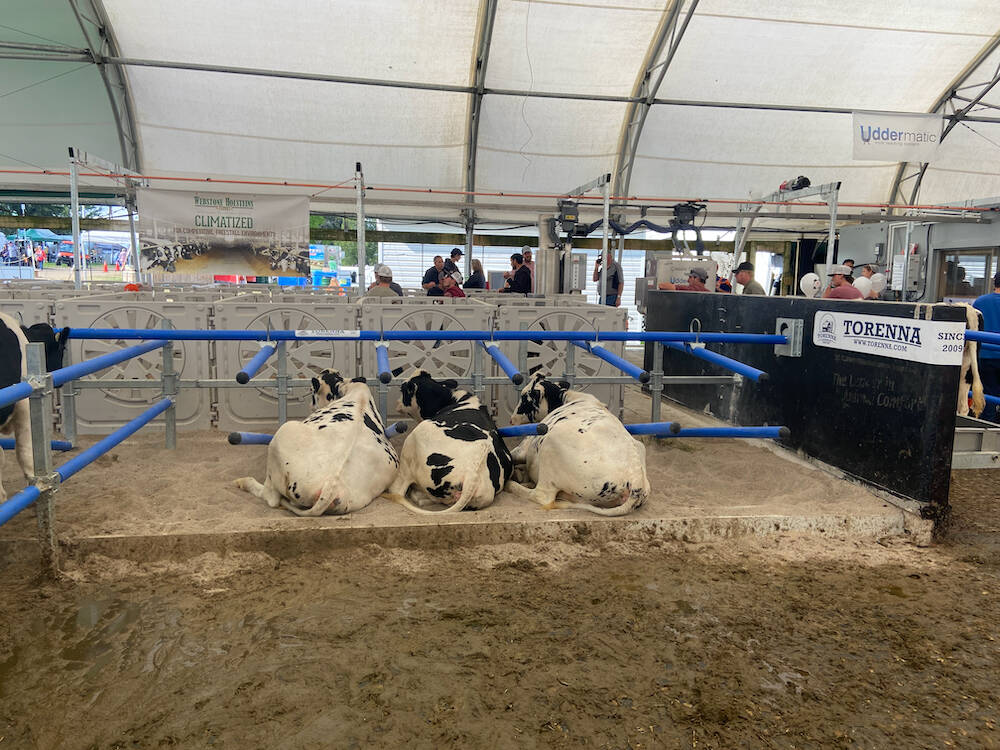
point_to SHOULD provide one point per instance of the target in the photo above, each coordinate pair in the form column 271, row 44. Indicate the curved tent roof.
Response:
column 719, row 99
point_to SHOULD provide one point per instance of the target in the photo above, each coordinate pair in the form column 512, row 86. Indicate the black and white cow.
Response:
column 13, row 369
column 969, row 378
column 454, row 456
column 337, row 459
column 586, row 460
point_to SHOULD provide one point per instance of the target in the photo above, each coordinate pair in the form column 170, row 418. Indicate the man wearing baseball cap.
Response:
column 744, row 276
column 696, row 282
column 383, row 286
column 840, row 287
column 451, row 265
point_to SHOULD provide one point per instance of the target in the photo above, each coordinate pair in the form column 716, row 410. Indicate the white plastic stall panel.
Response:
column 255, row 407
column 99, row 411
column 442, row 359
column 550, row 356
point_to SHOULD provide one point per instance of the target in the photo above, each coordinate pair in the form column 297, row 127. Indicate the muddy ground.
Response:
column 782, row 641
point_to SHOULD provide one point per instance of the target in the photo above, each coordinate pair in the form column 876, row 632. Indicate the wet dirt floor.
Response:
column 780, row 641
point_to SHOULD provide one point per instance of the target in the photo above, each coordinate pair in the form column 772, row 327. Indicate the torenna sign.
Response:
column 896, row 137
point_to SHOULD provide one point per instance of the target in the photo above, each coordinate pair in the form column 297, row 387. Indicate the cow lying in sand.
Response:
column 586, row 460
column 969, row 378
column 337, row 459
column 14, row 417
column 455, row 455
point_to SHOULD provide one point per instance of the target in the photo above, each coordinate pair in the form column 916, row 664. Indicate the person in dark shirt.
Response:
column 520, row 280
column 989, row 358
column 451, row 265
column 478, row 279
column 432, row 276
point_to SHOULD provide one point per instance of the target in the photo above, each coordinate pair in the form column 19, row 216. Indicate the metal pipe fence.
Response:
column 39, row 386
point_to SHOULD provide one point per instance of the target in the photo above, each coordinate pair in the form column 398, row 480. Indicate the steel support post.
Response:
column 67, row 395
column 656, row 382
column 283, row 384
column 470, row 226
column 832, row 236
column 477, row 372
column 522, row 355
column 41, row 454
column 169, row 379
column 74, row 201
column 569, row 365
column 603, row 291
column 906, row 263
column 133, row 235
column 383, row 400
column 359, row 186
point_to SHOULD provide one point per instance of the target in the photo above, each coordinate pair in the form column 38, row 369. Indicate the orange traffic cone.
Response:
column 105, row 266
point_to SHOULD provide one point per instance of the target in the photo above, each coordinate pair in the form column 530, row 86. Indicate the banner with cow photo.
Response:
column 223, row 233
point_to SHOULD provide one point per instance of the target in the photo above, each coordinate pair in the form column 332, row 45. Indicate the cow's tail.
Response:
column 630, row 501
column 469, row 489
column 978, row 396
column 330, row 496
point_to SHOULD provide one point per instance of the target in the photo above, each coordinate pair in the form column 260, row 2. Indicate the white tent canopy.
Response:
column 717, row 99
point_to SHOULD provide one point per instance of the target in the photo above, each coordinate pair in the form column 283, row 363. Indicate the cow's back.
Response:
column 587, row 452
column 340, row 448
column 12, row 366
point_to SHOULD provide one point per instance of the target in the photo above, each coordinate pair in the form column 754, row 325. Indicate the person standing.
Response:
column 615, row 282
column 526, row 252
column 519, row 281
column 477, row 280
column 451, row 265
column 989, row 357
column 432, row 277
column 744, row 276
column 840, row 287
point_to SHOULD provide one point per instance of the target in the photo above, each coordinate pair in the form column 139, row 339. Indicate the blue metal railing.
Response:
column 984, row 336
column 90, row 366
column 63, row 375
column 721, row 360
column 15, row 392
column 16, row 503
column 253, row 366
column 245, row 335
column 509, row 368
column 265, row 438
column 57, row 445
column 613, row 359
column 382, row 359
column 102, row 446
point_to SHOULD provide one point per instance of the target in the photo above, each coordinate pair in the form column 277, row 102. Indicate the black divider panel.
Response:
column 890, row 422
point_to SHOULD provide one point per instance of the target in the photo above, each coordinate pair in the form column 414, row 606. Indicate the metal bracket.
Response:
column 793, row 329
column 47, row 483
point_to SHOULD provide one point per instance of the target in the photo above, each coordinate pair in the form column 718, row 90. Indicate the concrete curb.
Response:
column 287, row 543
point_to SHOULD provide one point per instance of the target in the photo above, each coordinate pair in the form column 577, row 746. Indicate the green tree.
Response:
column 52, row 209
column 33, row 209
column 349, row 248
